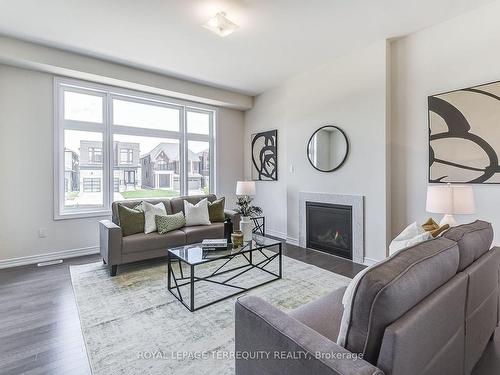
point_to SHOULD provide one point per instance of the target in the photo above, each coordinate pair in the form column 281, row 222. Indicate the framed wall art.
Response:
column 265, row 156
column 464, row 135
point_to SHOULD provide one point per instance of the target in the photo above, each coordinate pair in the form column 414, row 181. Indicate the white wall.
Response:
column 458, row 53
column 229, row 169
column 349, row 92
column 15, row 52
column 269, row 114
column 26, row 162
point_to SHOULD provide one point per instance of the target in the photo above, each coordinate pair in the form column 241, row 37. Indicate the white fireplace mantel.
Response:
column 358, row 219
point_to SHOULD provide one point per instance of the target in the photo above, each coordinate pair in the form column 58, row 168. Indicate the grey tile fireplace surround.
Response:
column 358, row 220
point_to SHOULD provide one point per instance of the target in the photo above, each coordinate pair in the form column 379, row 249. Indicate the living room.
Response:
column 142, row 130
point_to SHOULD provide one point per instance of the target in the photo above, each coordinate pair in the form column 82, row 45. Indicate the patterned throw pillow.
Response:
column 131, row 220
column 169, row 223
column 216, row 210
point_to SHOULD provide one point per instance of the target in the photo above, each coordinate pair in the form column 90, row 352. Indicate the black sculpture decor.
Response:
column 228, row 229
column 265, row 156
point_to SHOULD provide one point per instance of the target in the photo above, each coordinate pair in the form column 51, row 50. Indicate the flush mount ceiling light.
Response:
column 221, row 25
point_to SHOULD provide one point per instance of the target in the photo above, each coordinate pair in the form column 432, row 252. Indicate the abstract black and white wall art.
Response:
column 265, row 156
column 464, row 135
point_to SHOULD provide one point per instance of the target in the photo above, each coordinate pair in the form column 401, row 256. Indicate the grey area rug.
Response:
column 132, row 324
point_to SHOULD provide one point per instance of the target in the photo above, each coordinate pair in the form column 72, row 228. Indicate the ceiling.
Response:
column 276, row 38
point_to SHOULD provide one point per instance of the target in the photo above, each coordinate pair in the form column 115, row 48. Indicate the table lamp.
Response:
column 450, row 200
column 245, row 188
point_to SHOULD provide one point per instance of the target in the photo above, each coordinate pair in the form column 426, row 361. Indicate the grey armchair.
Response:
column 292, row 347
column 428, row 309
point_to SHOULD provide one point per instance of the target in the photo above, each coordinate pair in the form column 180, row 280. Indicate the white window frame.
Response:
column 108, row 93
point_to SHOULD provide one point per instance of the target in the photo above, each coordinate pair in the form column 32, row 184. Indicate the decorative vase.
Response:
column 246, row 227
column 237, row 238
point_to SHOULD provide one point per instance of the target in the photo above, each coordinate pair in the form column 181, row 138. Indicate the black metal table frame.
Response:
column 192, row 279
column 259, row 223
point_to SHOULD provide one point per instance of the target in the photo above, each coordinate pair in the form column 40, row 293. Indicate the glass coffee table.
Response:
column 221, row 274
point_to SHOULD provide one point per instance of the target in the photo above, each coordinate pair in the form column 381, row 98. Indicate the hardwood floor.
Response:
column 40, row 329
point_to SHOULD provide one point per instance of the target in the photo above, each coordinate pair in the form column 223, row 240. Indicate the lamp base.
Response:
column 448, row 219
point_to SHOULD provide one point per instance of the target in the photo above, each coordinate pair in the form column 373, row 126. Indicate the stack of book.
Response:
column 218, row 244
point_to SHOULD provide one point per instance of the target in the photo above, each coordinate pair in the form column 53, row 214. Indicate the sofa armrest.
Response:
column 234, row 216
column 110, row 242
column 268, row 341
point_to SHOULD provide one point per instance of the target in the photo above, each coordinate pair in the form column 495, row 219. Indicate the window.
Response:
column 95, row 155
column 116, row 144
column 129, row 177
column 126, row 156
column 199, row 167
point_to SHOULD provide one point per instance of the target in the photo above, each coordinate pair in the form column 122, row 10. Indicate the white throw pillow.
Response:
column 411, row 235
column 409, row 232
column 150, row 211
column 196, row 214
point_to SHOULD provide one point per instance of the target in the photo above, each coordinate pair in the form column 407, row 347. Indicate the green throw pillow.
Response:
column 216, row 211
column 169, row 223
column 131, row 220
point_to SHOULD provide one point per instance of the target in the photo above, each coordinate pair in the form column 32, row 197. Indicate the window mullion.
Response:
column 200, row 137
column 108, row 170
column 82, row 125
column 183, row 178
column 212, row 151
column 144, row 132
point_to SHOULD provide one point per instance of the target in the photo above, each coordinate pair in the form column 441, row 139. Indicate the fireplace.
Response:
column 329, row 228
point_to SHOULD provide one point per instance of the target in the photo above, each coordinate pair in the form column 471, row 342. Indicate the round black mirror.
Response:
column 328, row 148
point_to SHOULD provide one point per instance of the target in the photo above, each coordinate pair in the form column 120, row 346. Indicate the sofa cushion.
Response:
column 216, row 210
column 131, row 220
column 323, row 314
column 482, row 304
column 150, row 212
column 178, row 203
column 196, row 214
column 202, row 232
column 134, row 203
column 168, row 223
column 153, row 241
column 474, row 239
column 391, row 288
column 429, row 339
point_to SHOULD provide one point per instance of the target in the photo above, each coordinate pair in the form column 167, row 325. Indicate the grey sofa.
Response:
column 116, row 249
column 428, row 309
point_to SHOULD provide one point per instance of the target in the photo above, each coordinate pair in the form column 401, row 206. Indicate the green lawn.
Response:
column 71, row 195
column 149, row 193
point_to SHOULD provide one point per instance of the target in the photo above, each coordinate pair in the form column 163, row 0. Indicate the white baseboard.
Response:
column 33, row 259
column 275, row 233
column 283, row 236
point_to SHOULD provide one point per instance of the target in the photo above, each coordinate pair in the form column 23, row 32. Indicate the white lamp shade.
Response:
column 450, row 199
column 245, row 188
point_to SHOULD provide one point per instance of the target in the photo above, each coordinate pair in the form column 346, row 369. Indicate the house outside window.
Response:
column 117, row 144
